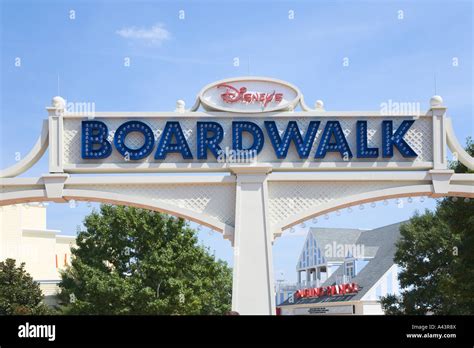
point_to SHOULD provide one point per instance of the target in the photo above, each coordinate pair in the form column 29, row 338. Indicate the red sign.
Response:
column 331, row 290
column 234, row 95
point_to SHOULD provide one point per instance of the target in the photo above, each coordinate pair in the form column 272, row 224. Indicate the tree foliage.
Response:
column 436, row 254
column 136, row 261
column 19, row 294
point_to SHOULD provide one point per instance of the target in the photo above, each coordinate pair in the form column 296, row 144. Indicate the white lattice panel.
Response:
column 214, row 200
column 419, row 137
column 7, row 189
column 287, row 199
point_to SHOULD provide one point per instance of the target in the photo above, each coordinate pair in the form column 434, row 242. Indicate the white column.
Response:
column 440, row 161
column 55, row 148
column 299, row 277
column 252, row 289
column 440, row 173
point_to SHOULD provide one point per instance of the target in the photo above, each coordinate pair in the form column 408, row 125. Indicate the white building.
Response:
column 334, row 256
column 25, row 238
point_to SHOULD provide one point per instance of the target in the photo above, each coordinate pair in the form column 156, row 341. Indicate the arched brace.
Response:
column 40, row 195
column 32, row 157
column 455, row 147
column 368, row 197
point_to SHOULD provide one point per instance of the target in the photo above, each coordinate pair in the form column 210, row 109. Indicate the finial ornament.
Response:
column 180, row 106
column 58, row 102
column 319, row 105
column 436, row 101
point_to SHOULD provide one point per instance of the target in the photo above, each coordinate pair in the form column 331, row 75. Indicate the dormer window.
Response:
column 349, row 269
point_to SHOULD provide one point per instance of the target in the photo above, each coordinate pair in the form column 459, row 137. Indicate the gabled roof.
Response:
column 326, row 236
column 382, row 240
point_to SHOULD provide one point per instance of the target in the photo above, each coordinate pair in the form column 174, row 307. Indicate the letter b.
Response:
column 94, row 140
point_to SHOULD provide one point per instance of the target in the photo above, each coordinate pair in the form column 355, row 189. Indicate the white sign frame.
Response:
column 253, row 203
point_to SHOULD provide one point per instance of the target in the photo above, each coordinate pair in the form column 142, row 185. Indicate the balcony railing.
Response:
column 287, row 287
column 305, row 284
column 297, row 286
column 309, row 284
column 343, row 279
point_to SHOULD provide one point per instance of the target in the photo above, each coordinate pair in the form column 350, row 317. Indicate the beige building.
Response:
column 25, row 238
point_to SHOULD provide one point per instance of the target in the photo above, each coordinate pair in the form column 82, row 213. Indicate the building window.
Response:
column 350, row 271
column 378, row 291
column 390, row 284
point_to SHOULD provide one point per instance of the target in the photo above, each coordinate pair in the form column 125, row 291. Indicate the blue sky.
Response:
column 171, row 58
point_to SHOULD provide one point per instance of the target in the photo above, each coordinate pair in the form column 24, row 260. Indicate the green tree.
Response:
column 136, row 261
column 19, row 294
column 436, row 254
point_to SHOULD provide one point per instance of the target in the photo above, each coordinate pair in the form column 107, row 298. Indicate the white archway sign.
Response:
column 284, row 166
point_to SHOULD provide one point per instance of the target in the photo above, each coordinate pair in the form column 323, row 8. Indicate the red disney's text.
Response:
column 234, row 95
column 331, row 290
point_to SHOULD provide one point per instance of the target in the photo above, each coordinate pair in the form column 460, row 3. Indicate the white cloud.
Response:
column 155, row 35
